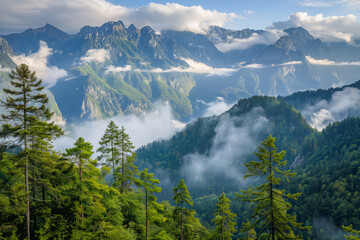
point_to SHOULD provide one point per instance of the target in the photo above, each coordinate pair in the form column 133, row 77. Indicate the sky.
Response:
column 331, row 20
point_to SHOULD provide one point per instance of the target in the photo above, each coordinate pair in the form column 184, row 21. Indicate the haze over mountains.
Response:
column 114, row 70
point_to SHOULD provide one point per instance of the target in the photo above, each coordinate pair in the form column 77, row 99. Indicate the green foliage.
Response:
column 67, row 194
column 109, row 147
column 352, row 234
column 329, row 178
column 224, row 219
column 149, row 185
column 181, row 198
column 270, row 211
column 126, row 172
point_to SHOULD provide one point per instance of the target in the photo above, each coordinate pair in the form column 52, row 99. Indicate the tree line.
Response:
column 46, row 194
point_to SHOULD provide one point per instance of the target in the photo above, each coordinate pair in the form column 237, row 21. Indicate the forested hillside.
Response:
column 326, row 162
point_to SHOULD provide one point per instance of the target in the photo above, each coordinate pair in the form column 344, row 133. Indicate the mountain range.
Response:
column 113, row 69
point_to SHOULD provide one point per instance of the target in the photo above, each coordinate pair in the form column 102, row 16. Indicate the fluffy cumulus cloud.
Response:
column 95, row 55
column 194, row 67
column 154, row 125
column 38, row 62
column 267, row 38
column 241, row 132
column 341, row 105
column 327, row 62
column 71, row 15
column 332, row 28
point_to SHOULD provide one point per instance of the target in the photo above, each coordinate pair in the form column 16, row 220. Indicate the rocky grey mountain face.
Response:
column 114, row 69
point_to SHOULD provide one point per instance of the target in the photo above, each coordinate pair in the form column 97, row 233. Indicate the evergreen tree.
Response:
column 27, row 117
column 181, row 198
column 126, row 171
column 80, row 154
column 270, row 212
column 224, row 219
column 149, row 184
column 109, row 147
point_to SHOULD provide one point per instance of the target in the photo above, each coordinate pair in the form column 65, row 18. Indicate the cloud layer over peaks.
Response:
column 38, row 62
column 194, row 67
column 71, row 15
column 330, row 29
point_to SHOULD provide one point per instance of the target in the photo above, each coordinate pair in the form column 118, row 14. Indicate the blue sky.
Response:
column 331, row 20
column 263, row 12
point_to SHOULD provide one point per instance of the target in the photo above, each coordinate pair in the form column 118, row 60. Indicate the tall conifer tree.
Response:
column 149, row 184
column 126, row 171
column 80, row 154
column 270, row 213
column 181, row 198
column 109, row 147
column 28, row 116
column 224, row 219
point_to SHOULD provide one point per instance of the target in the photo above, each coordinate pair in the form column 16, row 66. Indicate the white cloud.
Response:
column 71, row 15
column 248, row 12
column 194, row 67
column 332, row 28
column 4, row 69
column 267, row 38
column 327, row 62
column 198, row 67
column 38, row 62
column 113, row 69
column 254, row 65
column 155, row 125
column 310, row 3
column 257, row 65
column 351, row 2
column 96, row 55
column 341, row 105
column 232, row 142
column 289, row 63
column 216, row 107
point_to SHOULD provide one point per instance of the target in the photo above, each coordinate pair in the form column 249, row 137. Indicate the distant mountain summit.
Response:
column 294, row 46
column 117, row 69
column 28, row 41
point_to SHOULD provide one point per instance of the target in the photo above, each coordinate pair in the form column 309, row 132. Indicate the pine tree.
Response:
column 149, row 184
column 27, row 120
column 80, row 154
column 109, row 147
column 126, row 171
column 224, row 219
column 181, row 198
column 270, row 212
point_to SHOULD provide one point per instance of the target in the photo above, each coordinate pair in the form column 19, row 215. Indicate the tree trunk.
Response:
column 122, row 172
column 26, row 170
column 146, row 214
column 271, row 198
column 181, row 230
column 80, row 175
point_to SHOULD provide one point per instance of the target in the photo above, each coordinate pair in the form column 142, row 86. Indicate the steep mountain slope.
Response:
column 28, row 41
column 329, row 179
column 176, row 67
column 206, row 153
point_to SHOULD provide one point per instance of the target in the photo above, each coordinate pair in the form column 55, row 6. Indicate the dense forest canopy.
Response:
column 122, row 194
